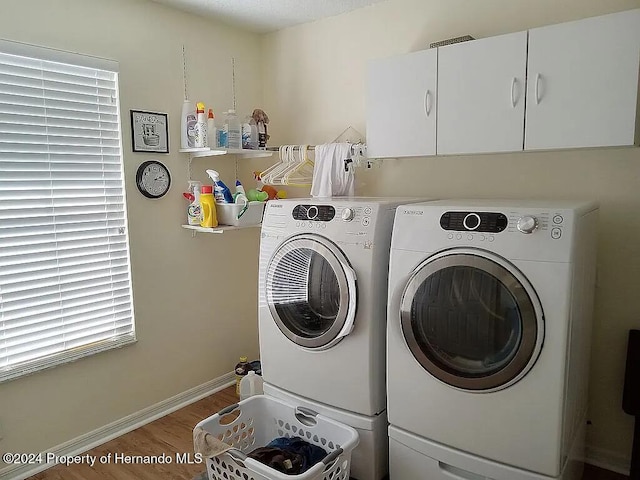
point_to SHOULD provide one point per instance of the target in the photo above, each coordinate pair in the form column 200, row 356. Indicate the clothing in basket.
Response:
column 290, row 455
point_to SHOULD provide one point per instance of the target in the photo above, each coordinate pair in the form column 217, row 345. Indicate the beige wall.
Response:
column 314, row 88
column 195, row 298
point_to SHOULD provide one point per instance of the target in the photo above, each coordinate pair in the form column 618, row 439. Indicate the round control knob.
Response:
column 348, row 214
column 312, row 212
column 527, row 224
column 471, row 221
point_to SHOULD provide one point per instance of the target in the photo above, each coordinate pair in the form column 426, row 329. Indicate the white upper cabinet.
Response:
column 569, row 85
column 481, row 95
column 401, row 105
column 583, row 83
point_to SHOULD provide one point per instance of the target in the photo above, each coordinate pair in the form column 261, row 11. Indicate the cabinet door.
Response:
column 481, row 94
column 583, row 82
column 401, row 105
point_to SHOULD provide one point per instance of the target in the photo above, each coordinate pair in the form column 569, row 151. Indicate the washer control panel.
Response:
column 485, row 222
column 352, row 219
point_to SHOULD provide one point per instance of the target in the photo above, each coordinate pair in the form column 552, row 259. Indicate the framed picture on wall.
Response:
column 149, row 132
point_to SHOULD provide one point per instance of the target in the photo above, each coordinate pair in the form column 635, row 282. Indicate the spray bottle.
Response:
column 221, row 192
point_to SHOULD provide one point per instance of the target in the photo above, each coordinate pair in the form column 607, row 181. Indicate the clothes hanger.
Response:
column 264, row 176
column 288, row 160
column 301, row 175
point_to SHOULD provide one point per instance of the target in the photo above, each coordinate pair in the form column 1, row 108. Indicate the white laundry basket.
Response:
column 263, row 419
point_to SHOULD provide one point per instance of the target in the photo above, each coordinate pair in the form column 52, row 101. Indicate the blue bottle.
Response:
column 221, row 192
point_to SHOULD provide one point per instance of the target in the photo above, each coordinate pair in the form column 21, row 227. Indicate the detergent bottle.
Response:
column 208, row 206
column 246, row 133
column 240, row 195
column 212, row 136
column 221, row 192
column 201, row 127
column 239, row 189
column 194, row 211
column 187, row 124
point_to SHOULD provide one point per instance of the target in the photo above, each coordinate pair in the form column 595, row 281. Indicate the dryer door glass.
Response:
column 311, row 291
column 471, row 322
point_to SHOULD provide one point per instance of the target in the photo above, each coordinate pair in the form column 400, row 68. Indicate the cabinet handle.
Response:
column 537, row 88
column 513, row 87
column 458, row 473
column 427, row 102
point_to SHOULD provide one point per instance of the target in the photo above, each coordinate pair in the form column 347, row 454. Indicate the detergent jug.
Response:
column 250, row 385
column 208, row 207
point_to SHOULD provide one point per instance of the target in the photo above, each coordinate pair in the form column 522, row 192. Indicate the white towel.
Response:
column 207, row 445
column 330, row 178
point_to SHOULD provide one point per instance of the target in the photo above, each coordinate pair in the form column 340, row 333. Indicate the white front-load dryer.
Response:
column 322, row 312
column 490, row 307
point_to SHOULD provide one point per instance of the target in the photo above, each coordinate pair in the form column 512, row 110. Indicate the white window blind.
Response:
column 65, row 289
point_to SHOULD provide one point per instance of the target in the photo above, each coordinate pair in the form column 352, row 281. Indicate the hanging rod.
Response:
column 309, row 147
column 347, row 161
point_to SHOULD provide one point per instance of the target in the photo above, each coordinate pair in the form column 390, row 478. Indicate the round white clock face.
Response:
column 153, row 179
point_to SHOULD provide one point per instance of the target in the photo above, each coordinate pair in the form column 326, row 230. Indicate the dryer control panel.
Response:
column 317, row 213
column 536, row 230
column 485, row 222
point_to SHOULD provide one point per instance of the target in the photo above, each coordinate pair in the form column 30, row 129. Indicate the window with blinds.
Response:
column 65, row 283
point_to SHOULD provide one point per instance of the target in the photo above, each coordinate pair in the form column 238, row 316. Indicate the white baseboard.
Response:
column 113, row 430
column 607, row 459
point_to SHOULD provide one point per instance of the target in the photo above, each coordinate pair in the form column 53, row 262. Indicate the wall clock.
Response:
column 153, row 179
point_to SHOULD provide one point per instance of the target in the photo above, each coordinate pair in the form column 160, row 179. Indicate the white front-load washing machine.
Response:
column 322, row 313
column 489, row 321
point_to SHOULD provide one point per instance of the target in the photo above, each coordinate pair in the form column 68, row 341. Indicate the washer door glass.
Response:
column 311, row 291
column 471, row 321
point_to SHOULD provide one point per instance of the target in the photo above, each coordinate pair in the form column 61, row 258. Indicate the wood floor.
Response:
column 172, row 435
column 168, row 435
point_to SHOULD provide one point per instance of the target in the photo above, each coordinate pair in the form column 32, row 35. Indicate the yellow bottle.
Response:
column 208, row 207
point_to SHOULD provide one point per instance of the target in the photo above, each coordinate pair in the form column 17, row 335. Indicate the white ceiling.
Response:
column 267, row 15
